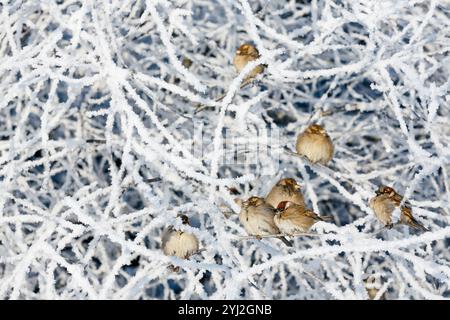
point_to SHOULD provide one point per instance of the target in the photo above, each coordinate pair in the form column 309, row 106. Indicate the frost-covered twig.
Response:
column 300, row 234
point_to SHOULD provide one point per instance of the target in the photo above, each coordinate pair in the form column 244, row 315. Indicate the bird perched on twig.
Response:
column 315, row 144
column 285, row 190
column 179, row 243
column 293, row 218
column 257, row 218
column 244, row 54
column 384, row 204
column 373, row 286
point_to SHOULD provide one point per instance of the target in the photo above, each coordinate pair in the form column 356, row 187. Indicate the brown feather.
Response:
column 295, row 218
column 245, row 54
column 285, row 190
column 257, row 218
column 315, row 144
column 383, row 204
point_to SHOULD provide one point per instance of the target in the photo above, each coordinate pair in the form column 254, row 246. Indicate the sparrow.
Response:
column 285, row 190
column 257, row 218
column 179, row 243
column 187, row 63
column 293, row 218
column 373, row 287
column 244, row 54
column 315, row 144
column 385, row 202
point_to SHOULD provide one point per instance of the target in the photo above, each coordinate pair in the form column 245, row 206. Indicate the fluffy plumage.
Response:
column 257, row 218
column 295, row 218
column 384, row 204
column 179, row 243
column 285, row 190
column 315, row 144
column 244, row 54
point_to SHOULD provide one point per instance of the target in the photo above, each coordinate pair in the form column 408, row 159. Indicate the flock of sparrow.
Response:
column 283, row 211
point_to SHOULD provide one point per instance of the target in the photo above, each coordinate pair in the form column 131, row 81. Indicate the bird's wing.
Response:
column 294, row 213
column 396, row 198
column 410, row 220
column 311, row 214
column 255, row 55
column 407, row 212
column 267, row 214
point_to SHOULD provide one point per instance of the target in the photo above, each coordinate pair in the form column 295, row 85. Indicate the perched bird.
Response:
column 285, row 190
column 244, row 54
column 373, row 286
column 257, row 218
column 315, row 144
column 187, row 63
column 384, row 204
column 179, row 243
column 293, row 218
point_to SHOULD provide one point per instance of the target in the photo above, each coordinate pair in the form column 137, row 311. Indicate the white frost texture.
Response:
column 98, row 98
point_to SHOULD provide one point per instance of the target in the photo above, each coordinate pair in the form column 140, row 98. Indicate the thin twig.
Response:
column 199, row 251
column 314, row 277
column 292, row 153
column 227, row 214
column 201, row 107
column 317, row 166
column 151, row 180
column 96, row 141
column 280, row 235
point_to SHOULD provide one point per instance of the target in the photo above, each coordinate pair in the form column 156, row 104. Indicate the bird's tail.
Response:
column 286, row 241
column 417, row 225
column 325, row 218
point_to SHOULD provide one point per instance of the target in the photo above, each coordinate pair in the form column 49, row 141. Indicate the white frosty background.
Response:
column 79, row 221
